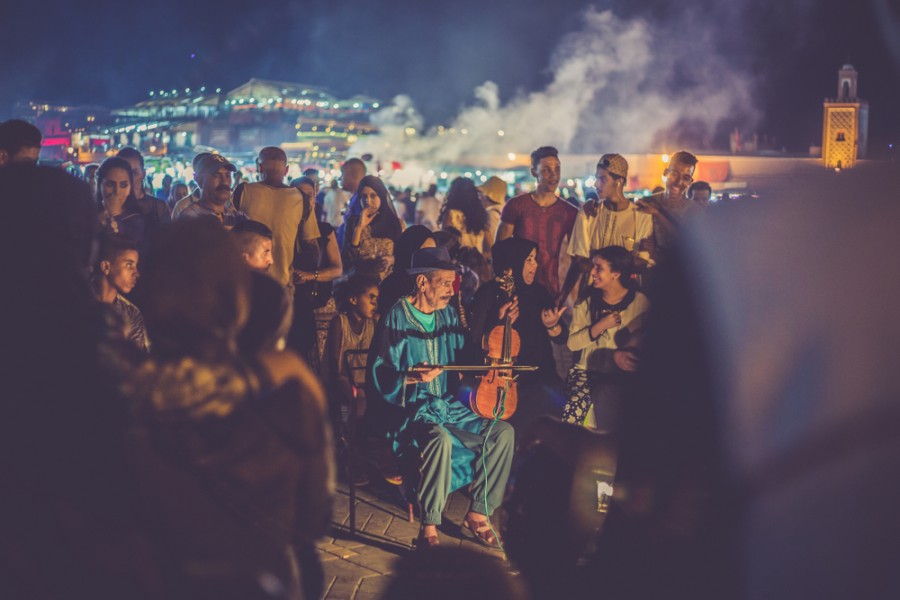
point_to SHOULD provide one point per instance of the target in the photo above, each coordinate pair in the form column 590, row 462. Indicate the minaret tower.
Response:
column 845, row 126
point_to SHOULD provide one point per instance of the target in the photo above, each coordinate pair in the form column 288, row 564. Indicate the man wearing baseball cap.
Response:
column 438, row 433
column 613, row 220
column 213, row 174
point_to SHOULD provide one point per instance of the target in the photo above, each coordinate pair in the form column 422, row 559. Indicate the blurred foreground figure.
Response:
column 558, row 505
column 69, row 523
column 233, row 452
column 449, row 573
column 20, row 143
column 760, row 459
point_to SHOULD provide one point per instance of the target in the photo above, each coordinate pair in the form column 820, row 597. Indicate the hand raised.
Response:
column 367, row 216
column 550, row 317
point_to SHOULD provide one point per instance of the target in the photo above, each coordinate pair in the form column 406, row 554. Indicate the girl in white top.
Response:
column 605, row 329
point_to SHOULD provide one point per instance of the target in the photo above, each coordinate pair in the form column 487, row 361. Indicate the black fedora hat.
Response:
column 426, row 260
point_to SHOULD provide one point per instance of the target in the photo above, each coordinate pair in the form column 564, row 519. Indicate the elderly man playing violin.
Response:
column 452, row 446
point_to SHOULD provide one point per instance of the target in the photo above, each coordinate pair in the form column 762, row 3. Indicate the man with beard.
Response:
column 438, row 435
column 213, row 175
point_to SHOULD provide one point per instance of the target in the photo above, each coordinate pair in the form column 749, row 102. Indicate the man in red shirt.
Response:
column 542, row 217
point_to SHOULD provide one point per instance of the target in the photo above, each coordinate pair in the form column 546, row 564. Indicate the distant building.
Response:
column 845, row 126
column 309, row 123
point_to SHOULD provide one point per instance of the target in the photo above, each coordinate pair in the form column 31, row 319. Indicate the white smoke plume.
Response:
column 617, row 85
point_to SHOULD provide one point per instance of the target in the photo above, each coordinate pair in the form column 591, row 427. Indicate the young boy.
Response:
column 254, row 240
column 116, row 273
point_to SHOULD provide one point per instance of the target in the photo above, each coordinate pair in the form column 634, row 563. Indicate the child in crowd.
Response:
column 350, row 330
column 115, row 274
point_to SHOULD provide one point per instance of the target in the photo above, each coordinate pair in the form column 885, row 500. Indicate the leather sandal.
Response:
column 480, row 531
column 426, row 542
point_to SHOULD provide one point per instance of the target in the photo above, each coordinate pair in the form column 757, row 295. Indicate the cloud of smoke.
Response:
column 617, row 85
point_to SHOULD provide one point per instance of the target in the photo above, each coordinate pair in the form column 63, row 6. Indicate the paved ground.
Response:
column 358, row 567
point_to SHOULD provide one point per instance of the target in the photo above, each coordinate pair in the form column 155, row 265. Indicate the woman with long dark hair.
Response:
column 464, row 211
column 606, row 330
column 369, row 240
column 115, row 187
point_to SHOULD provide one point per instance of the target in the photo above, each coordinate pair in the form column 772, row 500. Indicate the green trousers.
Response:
column 436, row 460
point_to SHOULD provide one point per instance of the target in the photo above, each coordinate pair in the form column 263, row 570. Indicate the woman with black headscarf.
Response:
column 369, row 240
column 399, row 282
column 538, row 326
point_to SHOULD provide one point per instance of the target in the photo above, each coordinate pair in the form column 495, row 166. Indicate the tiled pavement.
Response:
column 359, row 567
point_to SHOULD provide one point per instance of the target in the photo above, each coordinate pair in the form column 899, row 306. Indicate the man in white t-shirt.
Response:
column 612, row 221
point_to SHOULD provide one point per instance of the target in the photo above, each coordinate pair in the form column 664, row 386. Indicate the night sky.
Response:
column 438, row 52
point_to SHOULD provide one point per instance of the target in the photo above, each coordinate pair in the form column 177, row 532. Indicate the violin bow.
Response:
column 423, row 369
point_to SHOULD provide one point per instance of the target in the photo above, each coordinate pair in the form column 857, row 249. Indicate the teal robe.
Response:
column 405, row 343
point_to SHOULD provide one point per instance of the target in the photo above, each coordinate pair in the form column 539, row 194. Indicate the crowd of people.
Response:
column 215, row 338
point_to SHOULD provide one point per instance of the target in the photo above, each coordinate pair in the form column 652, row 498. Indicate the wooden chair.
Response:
column 352, row 450
column 351, row 431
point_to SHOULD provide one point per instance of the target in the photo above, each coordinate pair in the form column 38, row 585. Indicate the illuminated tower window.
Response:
column 845, row 123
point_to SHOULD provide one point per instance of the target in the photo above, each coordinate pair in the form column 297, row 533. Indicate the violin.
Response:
column 497, row 395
